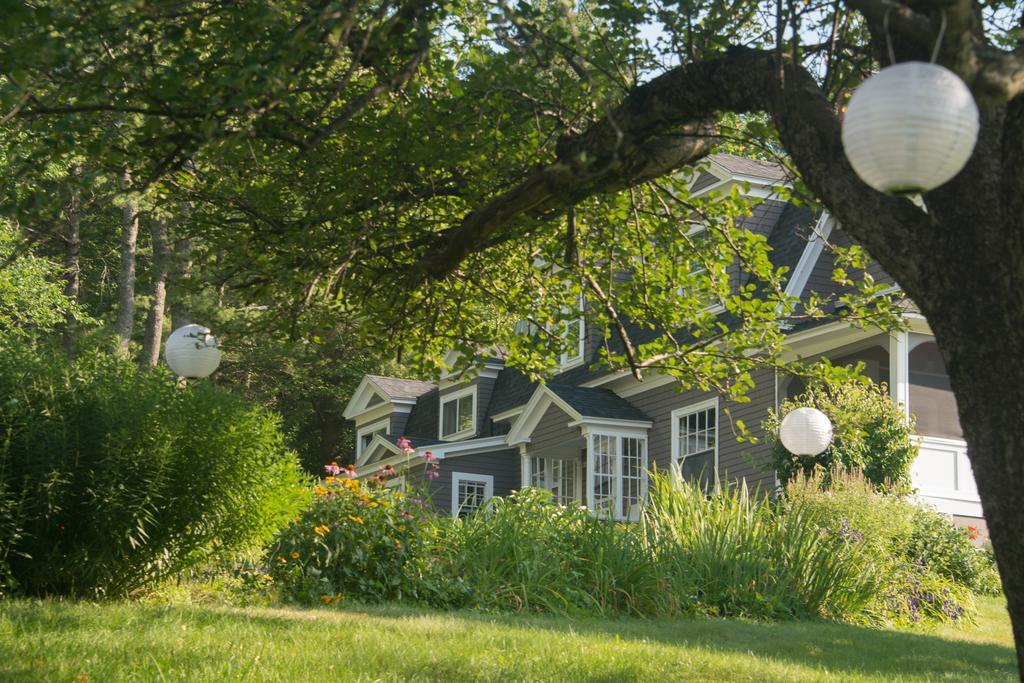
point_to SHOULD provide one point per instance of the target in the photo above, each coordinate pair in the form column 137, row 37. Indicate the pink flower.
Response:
column 432, row 474
column 332, row 469
column 429, row 457
column 404, row 444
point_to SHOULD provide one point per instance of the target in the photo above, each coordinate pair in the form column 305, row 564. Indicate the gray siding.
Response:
column 552, row 431
column 737, row 460
column 503, row 465
column 397, row 424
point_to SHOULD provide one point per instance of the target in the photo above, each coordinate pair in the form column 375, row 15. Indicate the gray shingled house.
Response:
column 590, row 435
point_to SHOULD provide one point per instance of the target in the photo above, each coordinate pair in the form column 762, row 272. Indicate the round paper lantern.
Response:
column 806, row 431
column 910, row 128
column 192, row 351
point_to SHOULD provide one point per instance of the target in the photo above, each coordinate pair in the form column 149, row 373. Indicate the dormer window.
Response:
column 575, row 337
column 458, row 414
column 364, row 437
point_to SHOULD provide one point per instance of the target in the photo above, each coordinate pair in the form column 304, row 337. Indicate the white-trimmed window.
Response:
column 558, row 475
column 616, row 474
column 457, row 416
column 575, row 335
column 699, row 234
column 364, row 436
column 695, row 441
column 470, row 492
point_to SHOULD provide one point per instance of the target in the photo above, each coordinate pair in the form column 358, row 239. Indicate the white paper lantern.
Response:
column 806, row 431
column 192, row 351
column 910, row 128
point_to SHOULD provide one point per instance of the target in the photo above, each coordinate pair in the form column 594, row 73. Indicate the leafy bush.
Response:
column 871, row 434
column 112, row 478
column 357, row 539
column 928, row 563
column 945, row 547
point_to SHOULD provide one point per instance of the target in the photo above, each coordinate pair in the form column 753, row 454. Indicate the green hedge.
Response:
column 112, row 477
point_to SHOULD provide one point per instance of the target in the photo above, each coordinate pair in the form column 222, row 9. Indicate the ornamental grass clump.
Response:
column 525, row 553
column 733, row 553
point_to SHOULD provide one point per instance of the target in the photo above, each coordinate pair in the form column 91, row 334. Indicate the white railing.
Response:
column 943, row 478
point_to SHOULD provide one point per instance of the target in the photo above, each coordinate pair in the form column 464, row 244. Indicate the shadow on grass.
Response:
column 827, row 647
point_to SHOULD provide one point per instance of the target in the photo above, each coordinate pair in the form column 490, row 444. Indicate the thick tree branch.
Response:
column 668, row 123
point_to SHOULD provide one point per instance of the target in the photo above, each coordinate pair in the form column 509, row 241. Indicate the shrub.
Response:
column 918, row 584
column 871, row 434
column 945, row 548
column 358, row 539
column 112, row 478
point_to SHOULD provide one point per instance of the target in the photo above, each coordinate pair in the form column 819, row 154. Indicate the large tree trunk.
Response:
column 155, row 320
column 72, row 255
column 126, row 284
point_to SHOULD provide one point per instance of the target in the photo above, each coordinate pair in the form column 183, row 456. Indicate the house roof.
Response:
column 599, row 403
column 751, row 167
column 396, row 387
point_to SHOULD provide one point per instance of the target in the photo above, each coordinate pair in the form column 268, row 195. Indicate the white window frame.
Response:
column 449, row 398
column 549, row 483
column 566, row 361
column 458, row 477
column 686, row 411
column 617, row 494
column 384, row 424
column 715, row 306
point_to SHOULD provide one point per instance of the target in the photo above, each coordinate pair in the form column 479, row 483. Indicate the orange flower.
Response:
column 321, row 530
column 81, row 677
column 357, row 520
column 295, row 556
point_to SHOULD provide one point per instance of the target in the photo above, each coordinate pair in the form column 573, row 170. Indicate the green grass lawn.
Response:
column 52, row 641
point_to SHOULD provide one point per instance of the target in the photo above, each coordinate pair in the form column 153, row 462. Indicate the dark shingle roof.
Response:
column 751, row 167
column 423, row 418
column 593, row 402
column 512, row 389
column 396, row 387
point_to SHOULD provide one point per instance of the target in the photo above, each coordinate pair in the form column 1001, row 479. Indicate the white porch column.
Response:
column 524, row 467
column 589, row 480
column 899, row 369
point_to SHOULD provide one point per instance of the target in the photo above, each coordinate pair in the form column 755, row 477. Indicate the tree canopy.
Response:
column 429, row 173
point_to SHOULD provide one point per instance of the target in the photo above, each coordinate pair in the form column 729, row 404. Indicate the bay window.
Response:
column 616, row 474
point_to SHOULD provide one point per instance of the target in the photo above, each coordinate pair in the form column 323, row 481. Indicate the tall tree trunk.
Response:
column 155, row 320
column 126, row 284
column 180, row 313
column 72, row 255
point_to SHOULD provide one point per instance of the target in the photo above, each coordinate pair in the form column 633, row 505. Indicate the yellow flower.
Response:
column 326, row 599
column 321, row 530
column 320, row 490
column 401, row 527
column 295, row 556
column 398, row 544
column 282, row 560
column 268, row 577
column 373, row 504
column 357, row 520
